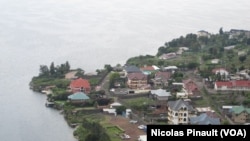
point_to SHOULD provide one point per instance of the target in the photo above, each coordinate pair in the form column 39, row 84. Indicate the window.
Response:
column 82, row 89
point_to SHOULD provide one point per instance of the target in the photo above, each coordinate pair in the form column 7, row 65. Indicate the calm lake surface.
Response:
column 88, row 34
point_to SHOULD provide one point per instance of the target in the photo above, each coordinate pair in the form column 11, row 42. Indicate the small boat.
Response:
column 49, row 104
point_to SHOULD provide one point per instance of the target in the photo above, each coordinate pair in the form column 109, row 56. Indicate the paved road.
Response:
column 105, row 85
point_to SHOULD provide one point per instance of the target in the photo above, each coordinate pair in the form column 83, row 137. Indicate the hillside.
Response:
column 203, row 50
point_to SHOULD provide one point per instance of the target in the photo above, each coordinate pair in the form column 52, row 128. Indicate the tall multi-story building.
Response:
column 179, row 112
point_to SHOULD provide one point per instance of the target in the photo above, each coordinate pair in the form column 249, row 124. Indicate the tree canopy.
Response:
column 57, row 72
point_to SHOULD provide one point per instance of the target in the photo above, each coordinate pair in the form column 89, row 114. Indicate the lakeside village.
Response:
column 197, row 79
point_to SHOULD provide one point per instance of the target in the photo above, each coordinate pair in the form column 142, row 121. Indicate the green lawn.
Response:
column 140, row 103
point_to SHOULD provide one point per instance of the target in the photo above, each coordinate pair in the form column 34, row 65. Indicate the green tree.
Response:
column 52, row 69
column 80, row 72
column 118, row 65
column 120, row 110
column 60, row 69
column 98, row 71
column 67, row 66
column 108, row 67
column 242, row 58
column 192, row 65
column 44, row 70
column 161, row 50
column 91, row 131
column 221, row 31
column 160, row 63
column 112, row 78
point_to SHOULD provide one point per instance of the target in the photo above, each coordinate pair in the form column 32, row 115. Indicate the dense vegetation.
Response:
column 91, row 131
column 51, row 76
column 202, row 49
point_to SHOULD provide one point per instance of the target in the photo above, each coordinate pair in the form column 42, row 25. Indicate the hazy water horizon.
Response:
column 88, row 34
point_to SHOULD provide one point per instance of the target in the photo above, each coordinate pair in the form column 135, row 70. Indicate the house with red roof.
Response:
column 137, row 80
column 80, row 85
column 190, row 88
column 234, row 85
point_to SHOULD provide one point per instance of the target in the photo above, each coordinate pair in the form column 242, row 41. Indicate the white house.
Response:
column 220, row 71
column 168, row 55
column 115, row 104
column 215, row 61
column 171, row 68
column 229, row 47
column 182, row 94
column 160, row 94
column 203, row 33
column 181, row 50
column 110, row 111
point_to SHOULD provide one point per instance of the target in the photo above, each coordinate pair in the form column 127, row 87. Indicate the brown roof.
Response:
column 147, row 68
column 190, row 85
column 138, row 76
column 165, row 75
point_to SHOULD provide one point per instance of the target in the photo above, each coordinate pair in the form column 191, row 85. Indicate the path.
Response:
column 207, row 96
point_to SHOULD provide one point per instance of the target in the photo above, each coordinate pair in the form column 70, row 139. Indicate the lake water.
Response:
column 88, row 34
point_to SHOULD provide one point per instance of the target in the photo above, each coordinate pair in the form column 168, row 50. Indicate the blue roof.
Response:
column 78, row 96
column 132, row 68
column 204, row 119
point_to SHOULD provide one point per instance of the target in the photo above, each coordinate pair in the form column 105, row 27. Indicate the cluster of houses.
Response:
column 179, row 111
column 182, row 112
column 233, row 33
column 80, row 88
column 239, row 114
column 138, row 82
column 231, row 82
